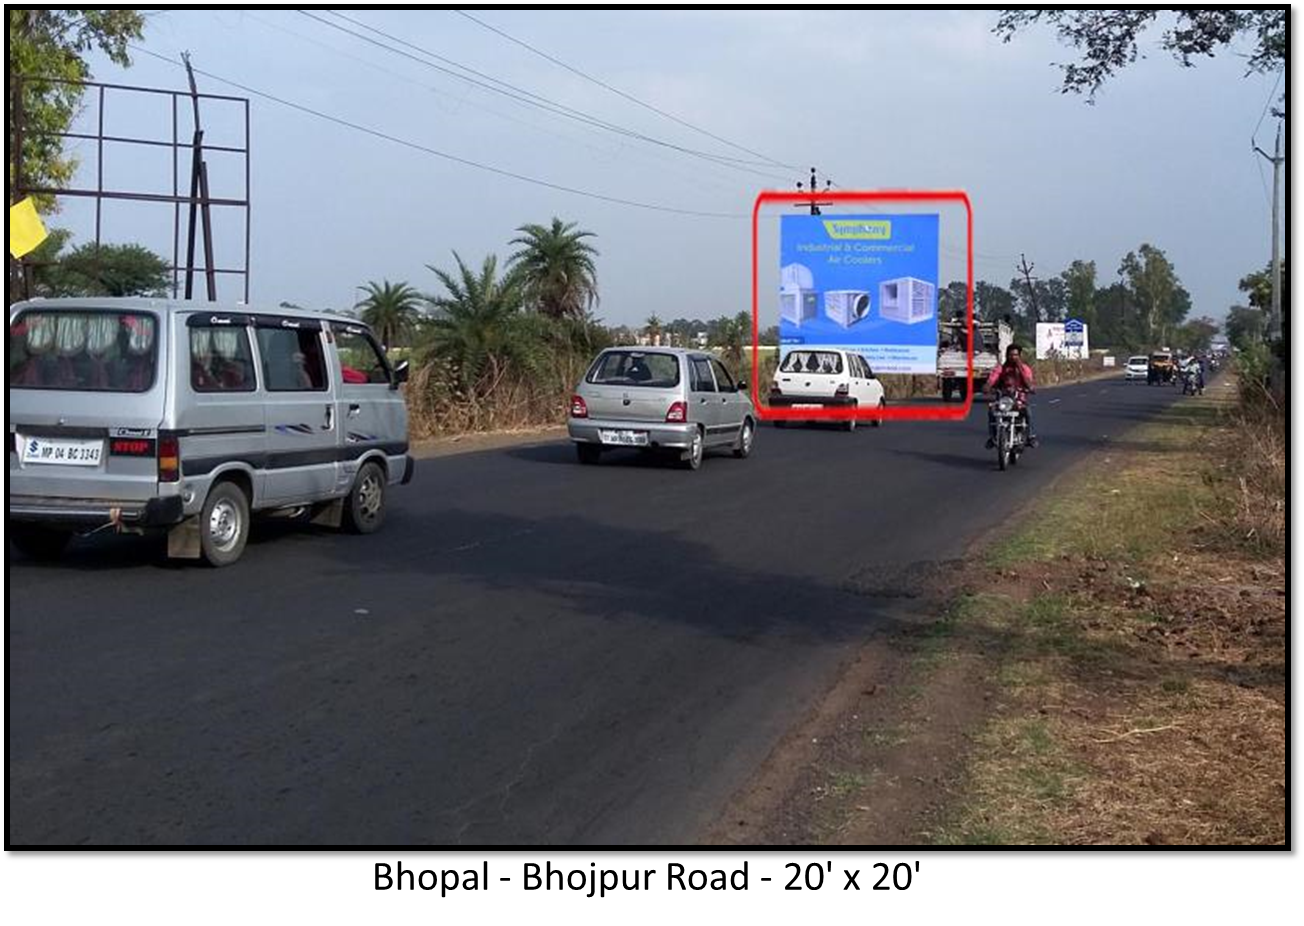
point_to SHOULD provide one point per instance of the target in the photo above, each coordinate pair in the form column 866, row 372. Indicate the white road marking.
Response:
column 1053, row 401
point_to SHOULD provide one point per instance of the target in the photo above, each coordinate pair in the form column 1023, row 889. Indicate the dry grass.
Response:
column 1140, row 659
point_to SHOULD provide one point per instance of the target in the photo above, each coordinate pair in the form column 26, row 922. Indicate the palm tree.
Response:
column 559, row 276
column 391, row 309
column 477, row 326
column 652, row 327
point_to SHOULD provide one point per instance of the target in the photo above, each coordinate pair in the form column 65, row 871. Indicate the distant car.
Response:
column 660, row 399
column 1161, row 368
column 1137, row 368
column 826, row 378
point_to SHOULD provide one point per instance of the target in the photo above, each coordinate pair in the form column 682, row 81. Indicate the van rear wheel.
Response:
column 38, row 541
column 364, row 509
column 224, row 524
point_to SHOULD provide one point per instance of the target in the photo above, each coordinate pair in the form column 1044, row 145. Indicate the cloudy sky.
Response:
column 922, row 99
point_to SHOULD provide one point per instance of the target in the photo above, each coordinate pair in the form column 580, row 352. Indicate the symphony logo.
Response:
column 871, row 229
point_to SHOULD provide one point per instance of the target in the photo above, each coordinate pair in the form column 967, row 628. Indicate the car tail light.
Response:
column 169, row 458
column 677, row 413
column 578, row 407
column 844, row 389
column 774, row 388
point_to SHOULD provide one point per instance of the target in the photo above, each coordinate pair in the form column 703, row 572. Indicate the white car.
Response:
column 1137, row 368
column 825, row 377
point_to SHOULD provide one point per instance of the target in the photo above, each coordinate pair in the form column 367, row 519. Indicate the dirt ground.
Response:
column 1109, row 674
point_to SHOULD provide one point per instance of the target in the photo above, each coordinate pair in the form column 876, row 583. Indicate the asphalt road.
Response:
column 530, row 651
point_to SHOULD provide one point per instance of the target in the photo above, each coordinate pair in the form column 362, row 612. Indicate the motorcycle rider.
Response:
column 1015, row 377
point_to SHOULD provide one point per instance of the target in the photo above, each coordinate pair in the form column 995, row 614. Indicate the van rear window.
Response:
column 648, row 369
column 85, row 351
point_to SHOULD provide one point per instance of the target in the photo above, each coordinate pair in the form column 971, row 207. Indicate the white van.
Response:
column 185, row 417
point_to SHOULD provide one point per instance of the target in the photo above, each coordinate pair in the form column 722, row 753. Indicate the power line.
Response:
column 621, row 93
column 522, row 95
column 1254, row 136
column 416, row 146
column 713, row 180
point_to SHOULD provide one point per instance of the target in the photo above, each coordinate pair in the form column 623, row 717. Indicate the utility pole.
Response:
column 814, row 206
column 1275, row 321
column 1026, row 269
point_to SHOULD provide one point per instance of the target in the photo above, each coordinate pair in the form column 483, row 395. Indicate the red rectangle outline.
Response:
column 891, row 412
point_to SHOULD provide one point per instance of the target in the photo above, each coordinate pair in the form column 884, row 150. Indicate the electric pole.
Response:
column 1275, row 321
column 814, row 206
column 1026, row 269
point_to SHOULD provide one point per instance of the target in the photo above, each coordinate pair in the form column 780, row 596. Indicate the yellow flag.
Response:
column 26, row 230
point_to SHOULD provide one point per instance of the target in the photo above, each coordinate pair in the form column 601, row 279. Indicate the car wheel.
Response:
column 878, row 422
column 364, row 509
column 947, row 390
column 850, row 424
column 588, row 453
column 224, row 524
column 692, row 457
column 743, row 449
column 37, row 541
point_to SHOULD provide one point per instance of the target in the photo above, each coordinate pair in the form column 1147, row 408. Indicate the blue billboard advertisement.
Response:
column 866, row 283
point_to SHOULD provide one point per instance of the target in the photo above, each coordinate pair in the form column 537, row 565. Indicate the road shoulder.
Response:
column 1110, row 671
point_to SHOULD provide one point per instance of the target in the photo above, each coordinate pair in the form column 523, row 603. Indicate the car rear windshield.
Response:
column 88, row 351
column 1139, row 360
column 812, row 361
column 647, row 369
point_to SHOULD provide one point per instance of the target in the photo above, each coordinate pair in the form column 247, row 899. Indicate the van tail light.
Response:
column 844, row 389
column 774, row 388
column 131, row 447
column 677, row 413
column 169, row 457
column 578, row 407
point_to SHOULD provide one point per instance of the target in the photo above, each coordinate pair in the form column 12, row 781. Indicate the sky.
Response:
column 875, row 99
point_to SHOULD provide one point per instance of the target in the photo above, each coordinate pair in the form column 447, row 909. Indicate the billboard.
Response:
column 866, row 283
column 1067, row 340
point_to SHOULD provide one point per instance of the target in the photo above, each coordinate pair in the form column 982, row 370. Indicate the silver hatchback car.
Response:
column 660, row 399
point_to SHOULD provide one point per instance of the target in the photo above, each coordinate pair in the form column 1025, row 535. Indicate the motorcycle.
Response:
column 1192, row 382
column 1011, row 430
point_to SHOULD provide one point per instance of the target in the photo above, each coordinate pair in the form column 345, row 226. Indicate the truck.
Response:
column 990, row 341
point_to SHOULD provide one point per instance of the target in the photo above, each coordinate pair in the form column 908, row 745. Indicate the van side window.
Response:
column 292, row 359
column 702, row 381
column 221, row 360
column 722, row 377
column 360, row 360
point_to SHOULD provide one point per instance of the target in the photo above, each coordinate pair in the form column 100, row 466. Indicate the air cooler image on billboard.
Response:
column 798, row 301
column 907, row 299
column 846, row 306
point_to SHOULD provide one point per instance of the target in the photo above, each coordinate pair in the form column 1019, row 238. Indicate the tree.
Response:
column 1108, row 38
column 1244, row 326
column 106, row 270
column 392, row 311
column 652, row 328
column 991, row 302
column 50, row 44
column 953, row 300
column 557, row 269
column 1258, row 286
column 1080, row 291
column 1153, row 283
column 1051, row 299
column 1117, row 318
column 477, row 328
column 735, row 334
column 1196, row 335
